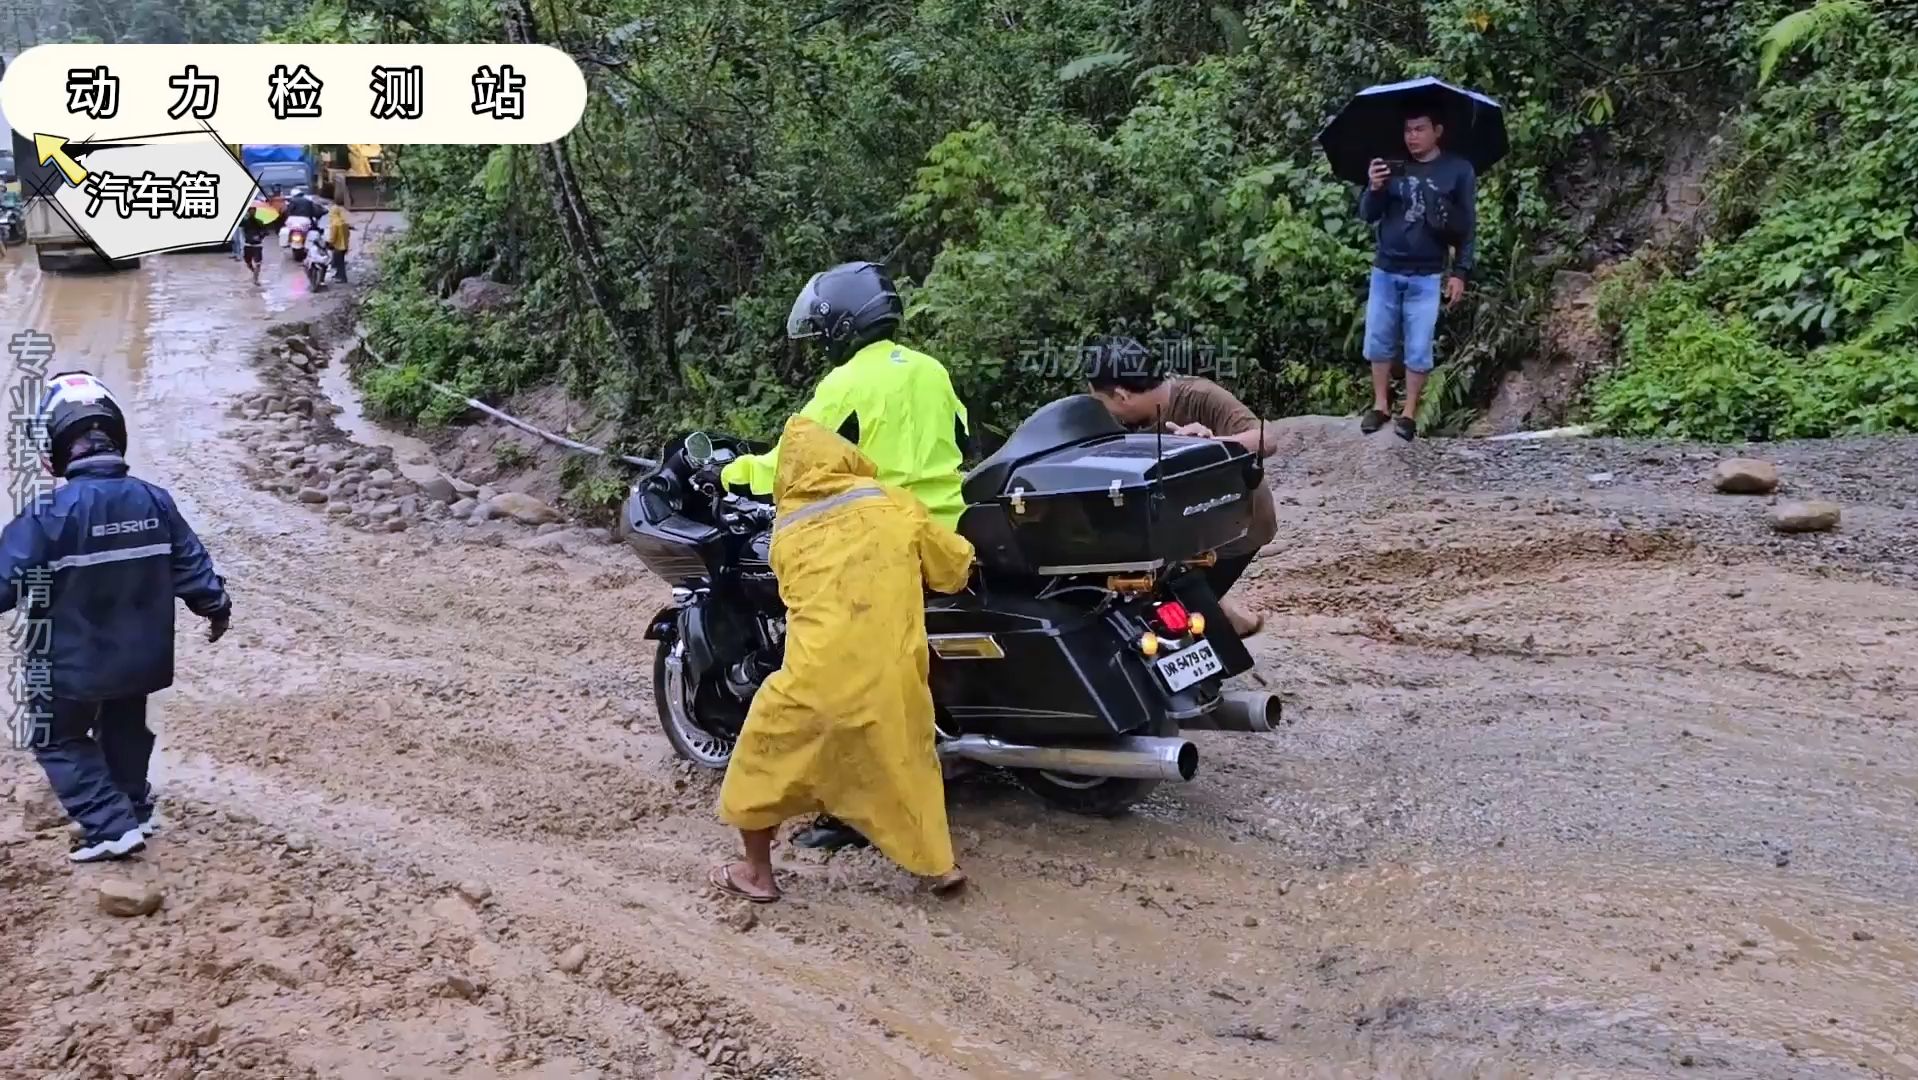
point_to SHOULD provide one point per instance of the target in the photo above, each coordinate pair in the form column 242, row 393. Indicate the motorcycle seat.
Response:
column 1076, row 419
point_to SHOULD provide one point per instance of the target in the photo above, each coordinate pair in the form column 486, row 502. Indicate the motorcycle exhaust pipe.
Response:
column 1134, row 757
column 1249, row 710
column 1240, row 710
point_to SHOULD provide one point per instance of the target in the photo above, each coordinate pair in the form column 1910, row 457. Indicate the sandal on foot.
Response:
column 948, row 883
column 1407, row 428
column 721, row 878
column 1371, row 421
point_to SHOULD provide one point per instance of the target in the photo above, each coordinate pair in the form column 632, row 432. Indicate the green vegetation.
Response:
column 1034, row 174
column 1799, row 317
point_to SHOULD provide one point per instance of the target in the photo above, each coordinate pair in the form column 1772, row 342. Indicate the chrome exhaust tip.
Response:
column 1251, row 711
column 1131, row 757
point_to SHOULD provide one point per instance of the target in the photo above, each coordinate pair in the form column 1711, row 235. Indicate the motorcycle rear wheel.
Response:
column 676, row 704
column 1092, row 796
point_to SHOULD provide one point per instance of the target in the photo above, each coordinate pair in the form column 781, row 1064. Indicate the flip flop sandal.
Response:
column 950, row 883
column 721, row 878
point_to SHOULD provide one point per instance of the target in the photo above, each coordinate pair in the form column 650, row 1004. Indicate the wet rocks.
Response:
column 128, row 899
column 475, row 295
column 40, row 810
column 521, row 507
column 572, row 959
column 464, row 987
column 1745, row 476
column 1812, row 516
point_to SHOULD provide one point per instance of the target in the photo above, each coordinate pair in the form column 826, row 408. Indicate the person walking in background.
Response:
column 100, row 562
column 254, row 229
column 1425, row 208
column 338, row 232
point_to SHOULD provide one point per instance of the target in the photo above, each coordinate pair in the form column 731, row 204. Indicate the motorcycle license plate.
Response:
column 1195, row 662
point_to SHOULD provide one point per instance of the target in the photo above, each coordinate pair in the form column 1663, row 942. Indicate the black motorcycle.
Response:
column 1087, row 640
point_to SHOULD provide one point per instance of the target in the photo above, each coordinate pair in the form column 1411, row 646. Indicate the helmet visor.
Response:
column 800, row 323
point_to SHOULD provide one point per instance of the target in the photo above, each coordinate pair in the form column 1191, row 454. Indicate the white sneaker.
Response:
column 126, row 844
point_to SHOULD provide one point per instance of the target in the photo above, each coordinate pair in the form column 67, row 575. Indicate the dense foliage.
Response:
column 1799, row 317
column 1035, row 173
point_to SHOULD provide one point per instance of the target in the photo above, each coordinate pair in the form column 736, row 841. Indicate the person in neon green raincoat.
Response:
column 893, row 403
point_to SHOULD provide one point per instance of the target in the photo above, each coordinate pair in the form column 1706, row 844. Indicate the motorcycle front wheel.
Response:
column 676, row 701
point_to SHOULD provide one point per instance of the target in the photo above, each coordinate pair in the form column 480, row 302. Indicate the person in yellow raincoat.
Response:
column 339, row 231
column 845, row 726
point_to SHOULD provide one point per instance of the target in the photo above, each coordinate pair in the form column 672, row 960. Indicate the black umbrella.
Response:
column 1372, row 125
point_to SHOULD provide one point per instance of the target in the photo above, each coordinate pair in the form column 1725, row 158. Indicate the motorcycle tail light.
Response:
column 1173, row 616
column 1149, row 644
column 1198, row 625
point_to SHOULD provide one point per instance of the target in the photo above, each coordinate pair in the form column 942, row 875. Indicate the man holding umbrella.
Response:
column 1425, row 207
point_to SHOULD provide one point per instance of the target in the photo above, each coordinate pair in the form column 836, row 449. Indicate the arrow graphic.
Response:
column 59, row 151
column 51, row 150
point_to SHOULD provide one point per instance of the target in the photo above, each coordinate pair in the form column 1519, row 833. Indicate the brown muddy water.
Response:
column 1575, row 783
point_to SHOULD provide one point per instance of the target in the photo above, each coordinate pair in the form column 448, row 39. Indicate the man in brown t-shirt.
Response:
column 1186, row 405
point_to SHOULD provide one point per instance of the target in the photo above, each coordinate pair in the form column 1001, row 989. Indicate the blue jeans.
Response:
column 1401, row 318
column 96, row 757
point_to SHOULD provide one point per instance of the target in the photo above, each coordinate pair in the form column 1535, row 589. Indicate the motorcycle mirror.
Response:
column 699, row 448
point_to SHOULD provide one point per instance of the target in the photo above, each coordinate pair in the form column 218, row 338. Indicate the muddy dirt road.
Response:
column 1586, row 774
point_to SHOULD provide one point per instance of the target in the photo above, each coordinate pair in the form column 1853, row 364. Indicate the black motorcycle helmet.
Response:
column 75, row 403
column 848, row 307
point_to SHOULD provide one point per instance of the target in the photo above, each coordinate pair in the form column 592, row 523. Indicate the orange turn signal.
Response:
column 1198, row 624
column 1149, row 644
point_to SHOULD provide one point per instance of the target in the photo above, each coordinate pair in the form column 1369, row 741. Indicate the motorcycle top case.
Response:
column 1072, row 492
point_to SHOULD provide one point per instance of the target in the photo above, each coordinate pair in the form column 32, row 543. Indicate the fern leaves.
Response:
column 1806, row 27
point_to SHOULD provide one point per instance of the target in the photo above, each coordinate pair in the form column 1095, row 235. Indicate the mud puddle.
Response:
column 412, row 456
column 1598, row 804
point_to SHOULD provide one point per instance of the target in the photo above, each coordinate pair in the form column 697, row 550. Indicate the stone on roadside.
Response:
column 1745, row 476
column 381, row 476
column 462, row 986
column 475, row 891
column 463, row 509
column 572, row 959
column 297, row 842
column 312, row 495
column 439, row 489
column 550, row 527
column 41, row 810
column 521, row 507
column 1816, row 515
column 462, row 488
column 129, row 899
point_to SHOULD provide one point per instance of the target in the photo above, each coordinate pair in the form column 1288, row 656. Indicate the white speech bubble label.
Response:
column 300, row 94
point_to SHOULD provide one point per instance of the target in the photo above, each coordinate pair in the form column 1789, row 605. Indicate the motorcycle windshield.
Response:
column 799, row 324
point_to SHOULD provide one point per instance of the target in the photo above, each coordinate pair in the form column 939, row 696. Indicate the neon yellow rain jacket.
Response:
column 845, row 726
column 906, row 410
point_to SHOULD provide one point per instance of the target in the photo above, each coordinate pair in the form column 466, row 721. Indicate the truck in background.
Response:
column 358, row 177
column 280, row 166
column 56, row 244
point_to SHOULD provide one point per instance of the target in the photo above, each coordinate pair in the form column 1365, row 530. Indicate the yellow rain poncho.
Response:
column 909, row 422
column 845, row 726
